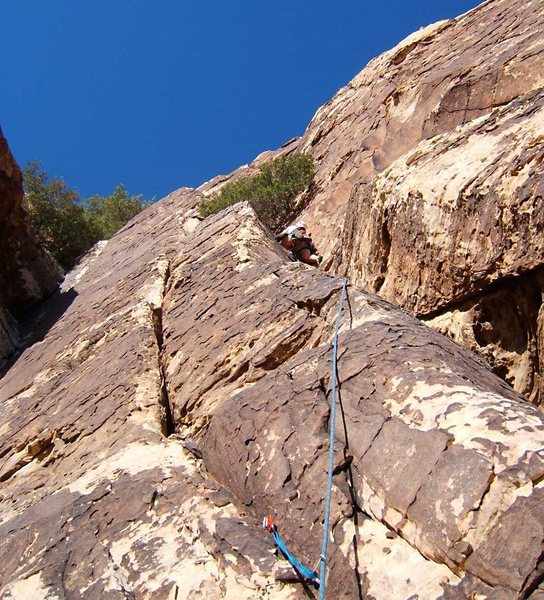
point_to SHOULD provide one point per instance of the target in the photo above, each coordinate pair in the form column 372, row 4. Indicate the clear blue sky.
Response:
column 164, row 94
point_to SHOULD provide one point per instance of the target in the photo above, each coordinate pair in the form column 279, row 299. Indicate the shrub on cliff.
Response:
column 58, row 219
column 65, row 224
column 271, row 192
column 108, row 214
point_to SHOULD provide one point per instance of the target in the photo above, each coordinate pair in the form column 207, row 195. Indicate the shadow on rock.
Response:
column 35, row 324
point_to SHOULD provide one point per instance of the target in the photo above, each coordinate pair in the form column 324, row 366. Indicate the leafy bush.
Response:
column 108, row 214
column 65, row 224
column 271, row 192
column 58, row 219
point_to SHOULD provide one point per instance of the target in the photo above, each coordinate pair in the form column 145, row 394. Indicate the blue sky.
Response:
column 164, row 94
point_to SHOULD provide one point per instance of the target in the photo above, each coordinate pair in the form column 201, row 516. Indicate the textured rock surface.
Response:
column 506, row 325
column 429, row 182
column 210, row 330
column 431, row 243
column 178, row 386
column 441, row 77
column 433, row 153
column 95, row 497
column 428, row 244
column 27, row 273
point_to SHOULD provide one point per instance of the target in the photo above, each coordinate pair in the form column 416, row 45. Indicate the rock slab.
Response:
column 185, row 392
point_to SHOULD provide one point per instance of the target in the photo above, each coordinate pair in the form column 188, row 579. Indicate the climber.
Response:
column 302, row 248
column 285, row 239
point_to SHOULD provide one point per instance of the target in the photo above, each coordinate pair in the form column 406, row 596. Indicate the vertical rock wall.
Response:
column 439, row 78
column 27, row 273
column 430, row 187
column 181, row 388
column 98, row 500
column 466, row 240
column 185, row 392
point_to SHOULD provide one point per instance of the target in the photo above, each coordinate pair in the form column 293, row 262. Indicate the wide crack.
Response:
column 167, row 423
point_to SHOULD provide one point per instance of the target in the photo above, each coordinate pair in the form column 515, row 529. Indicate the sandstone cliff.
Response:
column 180, row 387
column 27, row 272
column 211, row 331
column 429, row 185
column 430, row 169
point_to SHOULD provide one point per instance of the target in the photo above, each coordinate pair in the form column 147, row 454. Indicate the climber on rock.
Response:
column 301, row 246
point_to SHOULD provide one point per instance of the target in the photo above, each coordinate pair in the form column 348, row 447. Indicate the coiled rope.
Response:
column 323, row 556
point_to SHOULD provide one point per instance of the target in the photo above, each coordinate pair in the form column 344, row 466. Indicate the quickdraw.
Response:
column 304, row 571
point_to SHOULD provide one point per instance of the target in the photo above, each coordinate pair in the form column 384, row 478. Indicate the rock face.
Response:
column 441, row 77
column 430, row 246
column 210, row 331
column 429, row 184
column 97, row 499
column 506, row 325
column 429, row 188
column 179, row 387
column 27, row 272
column 430, row 170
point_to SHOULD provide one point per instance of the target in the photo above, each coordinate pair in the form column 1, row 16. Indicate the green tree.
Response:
column 271, row 192
column 67, row 225
column 107, row 214
column 57, row 216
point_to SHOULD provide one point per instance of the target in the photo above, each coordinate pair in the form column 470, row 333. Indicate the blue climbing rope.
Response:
column 323, row 556
column 268, row 524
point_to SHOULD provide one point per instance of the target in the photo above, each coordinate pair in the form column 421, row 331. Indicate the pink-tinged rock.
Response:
column 209, row 330
column 428, row 187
